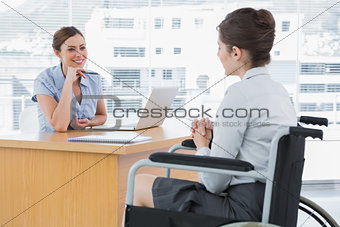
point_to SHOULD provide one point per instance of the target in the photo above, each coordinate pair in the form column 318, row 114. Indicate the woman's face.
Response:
column 225, row 57
column 73, row 52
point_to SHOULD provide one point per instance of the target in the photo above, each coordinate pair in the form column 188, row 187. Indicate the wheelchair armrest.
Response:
column 314, row 120
column 201, row 161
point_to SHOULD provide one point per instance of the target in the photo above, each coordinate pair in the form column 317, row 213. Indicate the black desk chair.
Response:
column 283, row 180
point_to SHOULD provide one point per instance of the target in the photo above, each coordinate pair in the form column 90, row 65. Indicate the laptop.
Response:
column 152, row 115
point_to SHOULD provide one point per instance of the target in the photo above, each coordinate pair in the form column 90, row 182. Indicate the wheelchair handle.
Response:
column 305, row 132
column 314, row 120
column 188, row 143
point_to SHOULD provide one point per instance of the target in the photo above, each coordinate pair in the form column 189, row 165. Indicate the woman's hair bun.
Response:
column 265, row 19
column 252, row 30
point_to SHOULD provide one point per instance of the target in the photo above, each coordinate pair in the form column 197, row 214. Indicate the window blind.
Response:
column 138, row 44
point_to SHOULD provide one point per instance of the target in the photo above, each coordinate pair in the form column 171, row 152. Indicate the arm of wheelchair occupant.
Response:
column 313, row 120
column 189, row 143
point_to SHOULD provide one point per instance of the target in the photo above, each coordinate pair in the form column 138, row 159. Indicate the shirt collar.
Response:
column 85, row 82
column 60, row 79
column 255, row 72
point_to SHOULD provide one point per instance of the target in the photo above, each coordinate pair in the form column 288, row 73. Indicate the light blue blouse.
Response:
column 247, row 137
column 51, row 81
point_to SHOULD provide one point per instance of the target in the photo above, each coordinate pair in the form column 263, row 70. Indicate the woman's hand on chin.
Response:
column 74, row 73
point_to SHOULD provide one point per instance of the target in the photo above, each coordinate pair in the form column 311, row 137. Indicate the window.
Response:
column 159, row 23
column 129, row 52
column 159, row 50
column 198, row 23
column 167, row 74
column 333, row 87
column 327, row 106
column 285, row 26
column 312, row 88
column 176, row 23
column 119, row 23
column 312, row 68
column 320, row 68
column 307, row 107
column 126, row 78
column 202, row 82
column 121, row 4
column 157, row 3
column 119, row 33
column 332, row 68
column 177, row 50
column 316, row 107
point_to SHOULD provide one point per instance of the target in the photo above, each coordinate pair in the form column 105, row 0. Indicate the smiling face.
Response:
column 73, row 52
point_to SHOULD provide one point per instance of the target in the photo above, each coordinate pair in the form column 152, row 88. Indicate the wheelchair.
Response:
column 282, row 182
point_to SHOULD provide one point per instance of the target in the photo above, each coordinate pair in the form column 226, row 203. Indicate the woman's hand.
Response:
column 202, row 132
column 74, row 73
column 80, row 123
column 194, row 126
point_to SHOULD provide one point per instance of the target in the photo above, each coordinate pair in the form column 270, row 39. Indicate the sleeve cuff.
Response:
column 204, row 151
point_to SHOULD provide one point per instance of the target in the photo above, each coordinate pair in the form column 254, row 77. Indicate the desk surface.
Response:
column 170, row 133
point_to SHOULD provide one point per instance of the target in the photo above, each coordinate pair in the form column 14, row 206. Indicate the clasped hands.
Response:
column 201, row 132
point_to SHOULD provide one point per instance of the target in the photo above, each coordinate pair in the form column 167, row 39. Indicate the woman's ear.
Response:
column 57, row 53
column 236, row 53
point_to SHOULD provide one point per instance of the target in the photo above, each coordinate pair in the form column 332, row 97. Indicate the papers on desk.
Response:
column 113, row 137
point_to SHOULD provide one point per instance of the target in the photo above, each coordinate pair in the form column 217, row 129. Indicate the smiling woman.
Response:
column 56, row 87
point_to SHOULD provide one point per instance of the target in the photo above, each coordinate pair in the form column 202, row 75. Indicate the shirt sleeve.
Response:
column 229, row 129
column 42, row 87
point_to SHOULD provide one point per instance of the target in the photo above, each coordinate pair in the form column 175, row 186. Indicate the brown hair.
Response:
column 252, row 30
column 62, row 35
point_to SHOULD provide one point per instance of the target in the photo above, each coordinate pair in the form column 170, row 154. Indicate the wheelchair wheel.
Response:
column 311, row 214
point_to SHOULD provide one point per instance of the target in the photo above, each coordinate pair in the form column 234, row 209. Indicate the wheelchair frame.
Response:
column 267, row 176
column 264, row 176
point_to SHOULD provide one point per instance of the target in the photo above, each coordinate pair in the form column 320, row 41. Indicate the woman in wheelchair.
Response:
column 251, row 112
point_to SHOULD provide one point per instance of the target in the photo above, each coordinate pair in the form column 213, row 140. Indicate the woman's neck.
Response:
column 63, row 69
column 243, row 69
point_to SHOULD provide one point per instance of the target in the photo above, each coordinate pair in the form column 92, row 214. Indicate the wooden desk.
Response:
column 47, row 181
